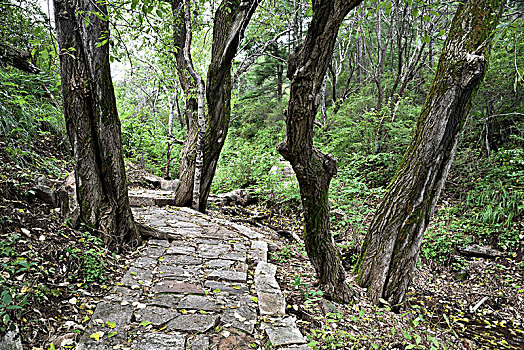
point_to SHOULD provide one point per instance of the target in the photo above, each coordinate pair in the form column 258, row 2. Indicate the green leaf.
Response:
column 415, row 12
column 111, row 334
column 111, row 324
column 144, row 323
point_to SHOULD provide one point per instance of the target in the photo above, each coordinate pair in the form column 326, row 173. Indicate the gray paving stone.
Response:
column 199, row 342
column 243, row 318
column 154, row 314
column 181, row 260
column 284, row 332
column 107, row 312
column 258, row 251
column 228, row 275
column 136, row 277
column 158, row 242
column 176, row 272
column 154, row 252
column 145, row 262
column 265, row 280
column 164, row 300
column 271, row 304
column 198, row 302
column 181, row 250
column 177, row 287
column 160, row 341
column 120, row 293
column 249, row 233
column 219, row 263
column 234, row 289
column 237, row 256
column 194, row 322
column 213, row 251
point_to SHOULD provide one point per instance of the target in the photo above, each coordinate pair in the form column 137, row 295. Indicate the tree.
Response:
column 230, row 22
column 92, row 120
column 391, row 247
column 307, row 68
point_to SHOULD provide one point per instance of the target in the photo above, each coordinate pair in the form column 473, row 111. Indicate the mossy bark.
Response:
column 92, row 121
column 392, row 244
column 307, row 68
column 230, row 22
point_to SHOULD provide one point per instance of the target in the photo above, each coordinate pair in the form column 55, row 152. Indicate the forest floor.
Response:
column 51, row 276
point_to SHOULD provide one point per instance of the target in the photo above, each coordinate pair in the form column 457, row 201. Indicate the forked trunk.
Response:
column 392, row 244
column 92, row 121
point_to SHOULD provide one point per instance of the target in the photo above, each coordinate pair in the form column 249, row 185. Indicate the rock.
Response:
column 169, row 185
column 198, row 302
column 66, row 199
column 46, row 194
column 462, row 275
column 105, row 312
column 164, row 300
column 243, row 318
column 236, row 342
column 227, row 275
column 284, row 332
column 283, row 170
column 480, row 251
column 159, row 341
column 271, row 304
column 177, row 287
column 156, row 315
column 199, row 342
column 11, row 340
column 258, row 251
column 230, row 289
column 153, row 181
column 194, row 322
column 265, row 280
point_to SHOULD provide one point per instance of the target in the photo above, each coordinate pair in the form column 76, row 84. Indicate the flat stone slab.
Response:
column 198, row 302
column 160, row 341
column 108, row 317
column 234, row 289
column 156, row 315
column 164, row 300
column 181, row 250
column 145, row 262
column 137, row 276
column 181, row 260
column 194, row 323
column 284, row 332
column 141, row 198
column 177, row 287
column 228, row 275
column 271, row 304
column 176, row 272
column 219, row 264
column 265, row 280
column 120, row 293
column 243, row 318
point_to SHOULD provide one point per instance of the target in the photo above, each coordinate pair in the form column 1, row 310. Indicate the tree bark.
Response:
column 307, row 68
column 92, row 121
column 17, row 58
column 183, row 195
column 392, row 244
column 231, row 20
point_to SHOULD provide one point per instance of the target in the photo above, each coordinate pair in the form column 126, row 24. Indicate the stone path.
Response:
column 207, row 286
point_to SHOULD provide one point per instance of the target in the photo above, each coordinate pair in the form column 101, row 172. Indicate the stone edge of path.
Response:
column 280, row 328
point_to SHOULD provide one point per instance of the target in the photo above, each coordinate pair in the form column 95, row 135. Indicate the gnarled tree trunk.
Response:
column 92, row 121
column 307, row 68
column 231, row 20
column 392, row 244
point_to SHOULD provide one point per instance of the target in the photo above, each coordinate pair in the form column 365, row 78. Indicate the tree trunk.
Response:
column 231, row 20
column 183, row 195
column 92, row 121
column 392, row 244
column 307, row 68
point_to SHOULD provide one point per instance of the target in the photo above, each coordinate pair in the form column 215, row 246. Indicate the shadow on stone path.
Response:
column 207, row 286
